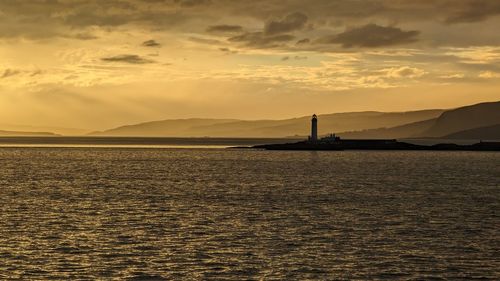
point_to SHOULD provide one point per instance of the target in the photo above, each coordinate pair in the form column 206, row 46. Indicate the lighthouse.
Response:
column 314, row 128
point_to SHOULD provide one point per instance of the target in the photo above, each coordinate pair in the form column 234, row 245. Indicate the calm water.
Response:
column 191, row 214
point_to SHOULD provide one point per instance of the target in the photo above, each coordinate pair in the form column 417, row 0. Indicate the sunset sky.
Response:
column 99, row 64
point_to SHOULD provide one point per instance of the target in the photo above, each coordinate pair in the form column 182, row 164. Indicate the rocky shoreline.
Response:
column 378, row 145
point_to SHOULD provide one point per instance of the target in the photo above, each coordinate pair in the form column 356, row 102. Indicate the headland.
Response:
column 332, row 142
column 352, row 144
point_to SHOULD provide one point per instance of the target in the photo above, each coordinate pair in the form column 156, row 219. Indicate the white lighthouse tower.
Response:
column 314, row 129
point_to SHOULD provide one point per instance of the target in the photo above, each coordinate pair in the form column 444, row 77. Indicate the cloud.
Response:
column 193, row 3
column 453, row 76
column 303, row 41
column 84, row 36
column 151, row 43
column 224, row 28
column 371, row 35
column 489, row 74
column 404, row 72
column 86, row 18
column 260, row 40
column 289, row 23
column 474, row 11
column 133, row 59
column 204, row 40
column 228, row 51
column 45, row 19
column 10, row 72
column 285, row 58
column 36, row 72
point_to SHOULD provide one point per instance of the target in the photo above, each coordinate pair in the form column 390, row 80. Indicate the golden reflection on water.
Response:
column 191, row 214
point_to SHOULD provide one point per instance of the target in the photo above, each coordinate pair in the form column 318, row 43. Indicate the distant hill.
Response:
column 55, row 130
column 465, row 118
column 16, row 133
column 414, row 129
column 336, row 122
column 479, row 121
column 175, row 127
column 482, row 133
column 459, row 121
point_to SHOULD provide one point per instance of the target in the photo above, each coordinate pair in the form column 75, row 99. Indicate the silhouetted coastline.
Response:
column 351, row 144
column 334, row 142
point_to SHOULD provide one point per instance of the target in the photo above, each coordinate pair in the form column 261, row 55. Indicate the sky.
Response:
column 97, row 64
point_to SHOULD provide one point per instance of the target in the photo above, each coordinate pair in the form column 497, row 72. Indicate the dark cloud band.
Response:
column 261, row 40
column 290, row 23
column 133, row 59
column 151, row 43
column 371, row 35
column 224, row 28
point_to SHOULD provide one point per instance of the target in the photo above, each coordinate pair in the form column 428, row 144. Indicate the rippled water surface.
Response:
column 191, row 214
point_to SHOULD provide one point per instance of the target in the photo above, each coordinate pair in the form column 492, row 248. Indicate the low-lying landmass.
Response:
column 30, row 129
column 26, row 134
column 378, row 144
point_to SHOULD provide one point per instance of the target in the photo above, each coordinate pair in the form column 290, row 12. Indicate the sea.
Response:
column 182, row 211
